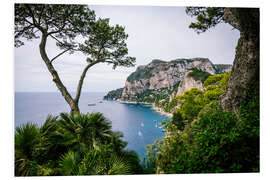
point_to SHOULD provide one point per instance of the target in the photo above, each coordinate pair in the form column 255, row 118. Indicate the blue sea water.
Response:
column 139, row 123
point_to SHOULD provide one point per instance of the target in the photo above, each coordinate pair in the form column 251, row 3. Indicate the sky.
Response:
column 155, row 32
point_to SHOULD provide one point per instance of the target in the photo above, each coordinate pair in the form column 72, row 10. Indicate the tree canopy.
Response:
column 74, row 28
column 207, row 17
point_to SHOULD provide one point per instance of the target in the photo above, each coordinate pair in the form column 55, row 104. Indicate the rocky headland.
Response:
column 162, row 80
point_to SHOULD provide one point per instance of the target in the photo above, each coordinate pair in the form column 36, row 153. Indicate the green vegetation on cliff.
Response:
column 114, row 94
column 202, row 138
column 198, row 74
column 214, row 85
column 145, row 73
column 153, row 96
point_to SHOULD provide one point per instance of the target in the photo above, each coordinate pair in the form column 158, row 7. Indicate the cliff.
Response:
column 223, row 68
column 187, row 83
column 114, row 94
column 161, row 74
column 161, row 80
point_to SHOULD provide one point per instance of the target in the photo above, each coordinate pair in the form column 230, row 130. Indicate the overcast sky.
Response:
column 154, row 33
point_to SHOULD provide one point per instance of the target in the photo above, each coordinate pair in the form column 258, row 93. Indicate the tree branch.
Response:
column 29, row 22
column 109, row 61
column 32, row 16
column 55, row 39
column 60, row 54
column 41, row 12
column 34, row 20
column 79, row 87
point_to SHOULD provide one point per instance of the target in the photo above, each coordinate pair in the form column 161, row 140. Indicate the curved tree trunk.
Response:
column 79, row 86
column 245, row 72
column 73, row 105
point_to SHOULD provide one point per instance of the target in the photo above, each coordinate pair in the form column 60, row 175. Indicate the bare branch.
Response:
column 60, row 54
column 28, row 22
column 55, row 39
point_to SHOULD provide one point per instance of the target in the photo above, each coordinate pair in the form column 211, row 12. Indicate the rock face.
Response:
column 161, row 74
column 114, row 94
column 223, row 68
column 166, row 79
column 188, row 83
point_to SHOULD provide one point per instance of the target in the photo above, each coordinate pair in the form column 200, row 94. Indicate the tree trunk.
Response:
column 245, row 72
column 73, row 105
column 79, row 87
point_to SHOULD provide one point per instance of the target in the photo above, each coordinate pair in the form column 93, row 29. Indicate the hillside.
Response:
column 162, row 80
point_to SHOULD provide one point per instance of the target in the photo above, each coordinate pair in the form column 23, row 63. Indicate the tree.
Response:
column 74, row 28
column 91, row 130
column 244, row 79
column 26, row 139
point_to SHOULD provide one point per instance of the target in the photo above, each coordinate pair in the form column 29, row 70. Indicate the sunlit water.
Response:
column 139, row 123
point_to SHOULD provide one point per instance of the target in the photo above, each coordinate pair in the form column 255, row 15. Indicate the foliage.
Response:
column 26, row 137
column 198, row 74
column 207, row 17
column 214, row 141
column 178, row 120
column 157, row 96
column 191, row 103
column 218, row 80
column 64, row 23
column 73, row 144
column 144, row 73
column 187, row 106
column 114, row 94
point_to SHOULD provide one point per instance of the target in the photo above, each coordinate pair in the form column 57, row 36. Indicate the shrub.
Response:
column 198, row 74
column 72, row 144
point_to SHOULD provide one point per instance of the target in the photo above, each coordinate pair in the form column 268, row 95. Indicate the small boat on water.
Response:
column 100, row 102
column 92, row 104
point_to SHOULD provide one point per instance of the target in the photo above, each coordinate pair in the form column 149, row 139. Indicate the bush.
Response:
column 198, row 74
column 72, row 144
column 212, row 140
column 217, row 141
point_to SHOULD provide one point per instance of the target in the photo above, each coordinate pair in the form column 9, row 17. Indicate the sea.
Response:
column 139, row 123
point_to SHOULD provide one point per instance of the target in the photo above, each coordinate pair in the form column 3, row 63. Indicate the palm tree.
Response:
column 26, row 138
column 50, row 145
column 94, row 162
column 70, row 163
column 81, row 130
column 104, row 162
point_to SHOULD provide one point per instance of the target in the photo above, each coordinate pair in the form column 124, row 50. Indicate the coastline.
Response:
column 160, row 111
column 155, row 108
column 132, row 102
